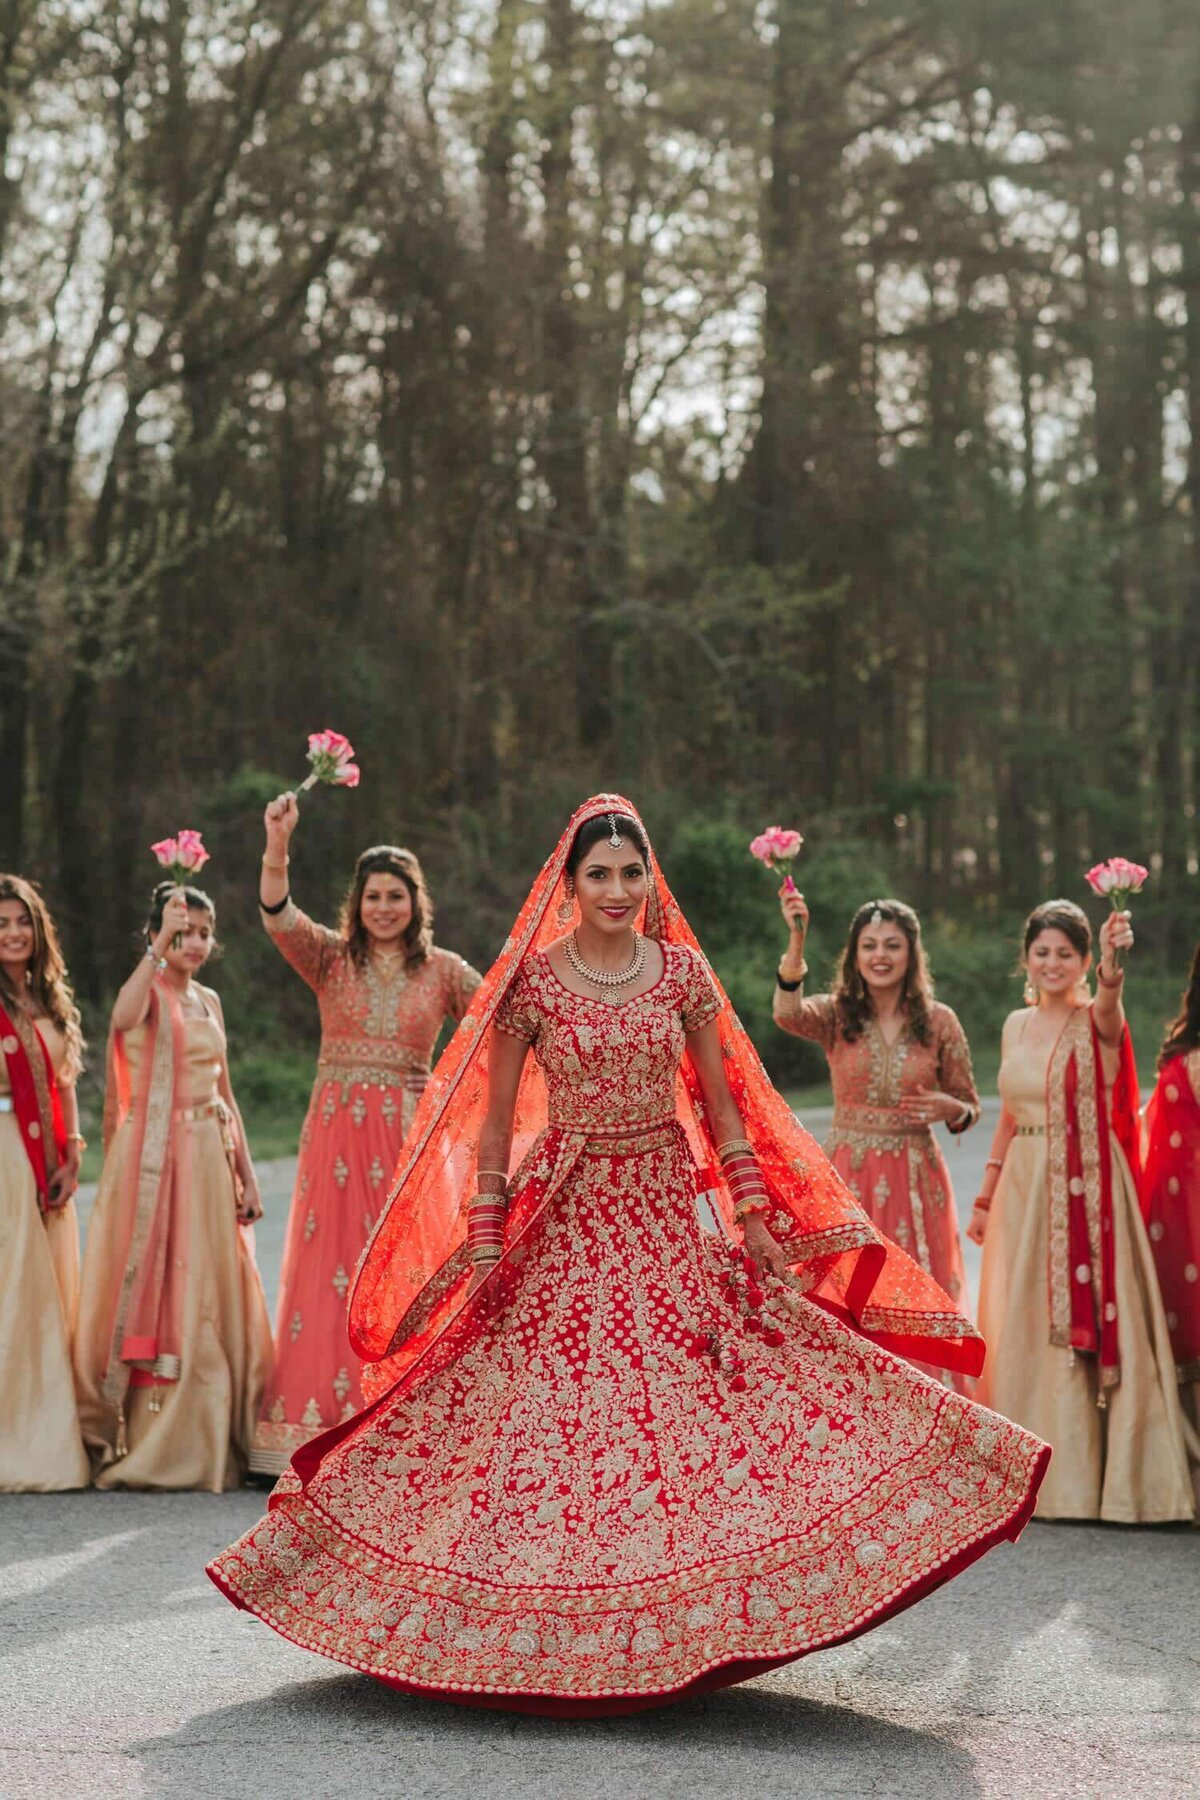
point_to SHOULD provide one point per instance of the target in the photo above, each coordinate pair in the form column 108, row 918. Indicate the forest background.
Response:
column 777, row 409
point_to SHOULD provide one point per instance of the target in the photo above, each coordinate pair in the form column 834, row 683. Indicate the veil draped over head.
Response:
column 412, row 1280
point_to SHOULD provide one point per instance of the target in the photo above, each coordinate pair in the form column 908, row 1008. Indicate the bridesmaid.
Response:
column 900, row 1065
column 1078, row 1346
column 383, row 990
column 1171, row 1187
column 173, row 1346
column 40, row 1152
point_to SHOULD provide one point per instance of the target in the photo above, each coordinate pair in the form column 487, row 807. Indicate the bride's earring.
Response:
column 566, row 906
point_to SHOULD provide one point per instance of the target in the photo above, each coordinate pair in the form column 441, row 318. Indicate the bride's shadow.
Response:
column 346, row 1734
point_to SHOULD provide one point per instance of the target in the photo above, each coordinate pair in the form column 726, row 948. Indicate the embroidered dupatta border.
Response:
column 45, row 1091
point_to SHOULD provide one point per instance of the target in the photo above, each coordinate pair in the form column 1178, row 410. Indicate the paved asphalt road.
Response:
column 1067, row 1666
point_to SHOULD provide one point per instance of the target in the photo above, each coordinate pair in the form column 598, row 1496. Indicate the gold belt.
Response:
column 211, row 1109
column 634, row 1143
column 876, row 1121
column 1030, row 1131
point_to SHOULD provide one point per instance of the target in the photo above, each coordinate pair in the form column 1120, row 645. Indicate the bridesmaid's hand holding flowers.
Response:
column 281, row 819
column 1116, row 937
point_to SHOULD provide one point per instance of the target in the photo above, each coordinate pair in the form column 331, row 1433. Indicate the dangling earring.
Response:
column 566, row 906
column 1031, row 991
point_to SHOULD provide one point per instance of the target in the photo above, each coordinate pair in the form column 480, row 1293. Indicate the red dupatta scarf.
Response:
column 37, row 1104
column 412, row 1279
column 1080, row 1123
column 149, row 1269
column 1171, row 1207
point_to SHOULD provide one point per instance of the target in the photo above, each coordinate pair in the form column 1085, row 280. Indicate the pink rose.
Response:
column 181, row 856
column 1117, row 878
column 331, row 759
column 776, row 847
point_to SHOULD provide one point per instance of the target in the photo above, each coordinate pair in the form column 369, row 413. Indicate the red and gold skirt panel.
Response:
column 584, row 1505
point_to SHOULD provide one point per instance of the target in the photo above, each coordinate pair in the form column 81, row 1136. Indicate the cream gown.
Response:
column 41, row 1450
column 201, row 1437
column 1127, row 1462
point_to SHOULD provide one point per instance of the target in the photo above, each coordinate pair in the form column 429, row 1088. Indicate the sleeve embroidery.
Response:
column 813, row 1019
column 955, row 1074
column 307, row 946
column 701, row 1001
column 516, row 1014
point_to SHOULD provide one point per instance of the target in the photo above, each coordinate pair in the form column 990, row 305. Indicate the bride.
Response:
column 613, row 1458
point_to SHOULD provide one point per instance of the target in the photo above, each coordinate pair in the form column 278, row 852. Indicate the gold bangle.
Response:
column 77, row 1137
column 277, row 868
column 734, row 1147
column 1109, row 981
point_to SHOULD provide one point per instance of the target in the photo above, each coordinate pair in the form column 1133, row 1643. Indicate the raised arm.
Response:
column 133, row 1002
column 813, row 1019
column 1116, row 934
column 301, row 942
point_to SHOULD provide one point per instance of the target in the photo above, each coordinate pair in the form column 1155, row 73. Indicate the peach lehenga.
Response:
column 40, row 1447
column 891, row 1165
column 379, row 1024
column 1119, row 1441
column 173, row 1346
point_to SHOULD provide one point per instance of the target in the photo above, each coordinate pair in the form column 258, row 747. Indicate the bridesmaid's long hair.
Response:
column 388, row 859
column 1183, row 1033
column 47, row 973
column 855, row 1008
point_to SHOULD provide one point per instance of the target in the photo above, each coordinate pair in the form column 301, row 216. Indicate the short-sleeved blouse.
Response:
column 606, row 1062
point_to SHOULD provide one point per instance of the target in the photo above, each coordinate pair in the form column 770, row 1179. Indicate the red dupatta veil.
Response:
column 1171, row 1207
column 411, row 1282
column 36, row 1101
column 1080, row 1123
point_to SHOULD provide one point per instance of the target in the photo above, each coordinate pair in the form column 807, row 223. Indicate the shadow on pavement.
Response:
column 385, row 1743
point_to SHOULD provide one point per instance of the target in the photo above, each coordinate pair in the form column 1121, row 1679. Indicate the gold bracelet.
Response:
column 746, row 1207
column 734, row 1147
column 1109, row 981
column 77, row 1137
column 277, row 868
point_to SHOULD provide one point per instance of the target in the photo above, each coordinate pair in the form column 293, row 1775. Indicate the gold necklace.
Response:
column 607, row 978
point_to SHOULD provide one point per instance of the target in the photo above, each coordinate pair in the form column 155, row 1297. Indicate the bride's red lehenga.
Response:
column 593, row 1486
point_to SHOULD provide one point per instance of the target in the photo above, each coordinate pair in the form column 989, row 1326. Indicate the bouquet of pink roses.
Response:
column 182, row 856
column 1116, row 880
column 777, row 848
column 331, row 761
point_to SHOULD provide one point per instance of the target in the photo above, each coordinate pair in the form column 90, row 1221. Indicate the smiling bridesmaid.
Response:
column 41, row 1049
column 900, row 1064
column 383, row 989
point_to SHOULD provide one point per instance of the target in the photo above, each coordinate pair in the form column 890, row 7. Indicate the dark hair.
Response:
column 197, row 900
column 1183, row 1033
column 593, row 830
column 47, row 972
column 850, row 992
column 1059, row 915
column 388, row 859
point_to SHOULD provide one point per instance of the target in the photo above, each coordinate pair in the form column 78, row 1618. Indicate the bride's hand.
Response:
column 763, row 1247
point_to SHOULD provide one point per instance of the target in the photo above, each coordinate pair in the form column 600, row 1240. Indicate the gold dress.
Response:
column 40, row 1447
column 1126, row 1462
column 194, row 1432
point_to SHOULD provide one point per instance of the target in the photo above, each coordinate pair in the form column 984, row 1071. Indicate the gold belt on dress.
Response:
column 876, row 1121
column 210, row 1109
column 1029, row 1131
column 634, row 1142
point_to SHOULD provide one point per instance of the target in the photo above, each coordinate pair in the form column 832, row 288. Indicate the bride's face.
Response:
column 610, row 886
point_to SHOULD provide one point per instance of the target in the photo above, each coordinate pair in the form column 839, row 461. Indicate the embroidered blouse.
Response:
column 377, row 1024
column 610, row 1063
column 871, row 1076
